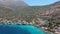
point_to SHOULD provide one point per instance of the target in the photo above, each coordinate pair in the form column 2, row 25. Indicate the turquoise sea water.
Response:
column 20, row 29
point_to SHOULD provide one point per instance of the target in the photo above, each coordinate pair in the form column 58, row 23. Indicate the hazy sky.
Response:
column 39, row 2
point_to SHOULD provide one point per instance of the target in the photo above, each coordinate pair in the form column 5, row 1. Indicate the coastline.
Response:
column 14, row 25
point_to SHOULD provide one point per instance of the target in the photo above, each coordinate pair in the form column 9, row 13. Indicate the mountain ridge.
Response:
column 28, row 10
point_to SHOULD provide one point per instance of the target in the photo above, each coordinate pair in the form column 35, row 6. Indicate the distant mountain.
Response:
column 56, row 3
column 18, row 7
column 50, row 7
column 15, row 6
column 13, row 3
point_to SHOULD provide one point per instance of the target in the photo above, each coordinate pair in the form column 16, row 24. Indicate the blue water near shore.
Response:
column 20, row 29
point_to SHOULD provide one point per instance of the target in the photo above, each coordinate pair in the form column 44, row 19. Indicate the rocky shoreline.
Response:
column 37, row 23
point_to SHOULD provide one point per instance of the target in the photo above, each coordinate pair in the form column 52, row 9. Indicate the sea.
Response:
column 20, row 29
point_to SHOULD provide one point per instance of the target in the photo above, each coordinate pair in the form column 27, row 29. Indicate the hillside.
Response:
column 20, row 9
column 5, row 11
column 18, row 12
